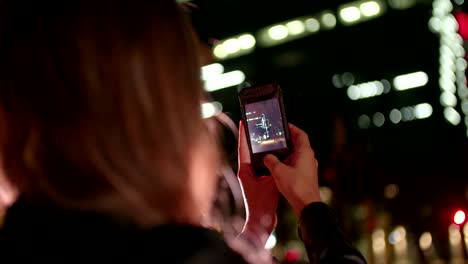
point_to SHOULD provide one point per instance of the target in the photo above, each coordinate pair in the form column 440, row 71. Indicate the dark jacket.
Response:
column 31, row 233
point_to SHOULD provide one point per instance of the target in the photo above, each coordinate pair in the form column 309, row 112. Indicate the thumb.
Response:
column 277, row 168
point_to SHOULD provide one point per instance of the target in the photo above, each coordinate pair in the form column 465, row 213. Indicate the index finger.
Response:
column 243, row 147
column 299, row 137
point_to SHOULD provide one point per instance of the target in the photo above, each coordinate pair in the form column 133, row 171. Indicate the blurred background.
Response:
column 380, row 87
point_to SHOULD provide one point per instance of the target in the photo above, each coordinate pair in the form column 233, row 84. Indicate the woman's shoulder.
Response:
column 192, row 244
column 31, row 234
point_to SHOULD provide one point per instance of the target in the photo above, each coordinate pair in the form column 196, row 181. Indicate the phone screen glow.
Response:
column 265, row 126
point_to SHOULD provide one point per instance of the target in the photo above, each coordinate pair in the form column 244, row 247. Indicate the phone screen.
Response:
column 265, row 126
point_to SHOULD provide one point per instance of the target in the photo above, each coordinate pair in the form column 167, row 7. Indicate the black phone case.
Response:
column 260, row 93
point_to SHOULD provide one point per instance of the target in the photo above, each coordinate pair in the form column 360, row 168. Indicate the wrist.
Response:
column 258, row 229
column 299, row 203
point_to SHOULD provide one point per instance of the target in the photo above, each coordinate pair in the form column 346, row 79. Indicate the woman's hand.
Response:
column 296, row 178
column 260, row 194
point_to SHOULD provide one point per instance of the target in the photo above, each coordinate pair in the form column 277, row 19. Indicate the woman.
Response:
column 102, row 137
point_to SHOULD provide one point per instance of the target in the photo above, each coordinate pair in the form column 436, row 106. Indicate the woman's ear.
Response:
column 8, row 192
column 203, row 176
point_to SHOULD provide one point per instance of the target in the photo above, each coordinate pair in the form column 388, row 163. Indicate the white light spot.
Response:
column 220, row 52
column 354, row 92
column 231, row 46
column 295, row 27
column 425, row 241
column 378, row 241
column 412, row 80
column 448, row 99
column 312, row 25
column 422, row 111
column 387, row 86
column 211, row 109
column 370, row 9
column 336, row 79
column 350, row 14
column 378, row 119
column 326, row 194
column 278, row 32
column 454, row 235
column 464, row 106
column 364, row 121
column 452, row 116
column 328, row 20
column 407, row 113
column 224, row 80
column 397, row 235
column 212, row 71
column 395, row 116
column 461, row 64
column 347, row 78
column 246, row 41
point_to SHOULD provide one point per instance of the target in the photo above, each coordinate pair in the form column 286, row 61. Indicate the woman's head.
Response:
column 100, row 103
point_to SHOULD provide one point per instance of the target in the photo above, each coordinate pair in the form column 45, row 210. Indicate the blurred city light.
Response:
column 448, row 99
column 452, row 116
column 422, row 111
column 376, row 88
column 391, row 191
column 402, row 4
column 408, row 113
column 395, row 116
column 350, row 14
column 450, row 29
column 247, row 41
column 328, row 20
column 465, row 230
column 397, row 235
column 454, row 235
column 289, row 30
column 361, row 212
column 278, row 32
column 295, row 27
column 378, row 119
column 425, row 241
column 326, row 194
column 411, row 80
column 224, row 80
column 455, row 239
column 355, row 12
column 364, row 121
column 220, row 52
column 345, row 79
column 459, row 217
column 292, row 255
column 365, row 90
column 211, row 109
column 235, row 46
column 464, row 106
column 360, row 11
column 312, row 25
column 378, row 242
column 212, row 71
column 370, row 8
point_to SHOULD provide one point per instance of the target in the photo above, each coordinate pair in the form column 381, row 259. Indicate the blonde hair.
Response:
column 101, row 105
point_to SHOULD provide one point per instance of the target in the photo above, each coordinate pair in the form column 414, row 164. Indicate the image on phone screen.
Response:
column 265, row 126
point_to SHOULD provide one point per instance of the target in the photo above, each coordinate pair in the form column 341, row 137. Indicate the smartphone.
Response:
column 265, row 124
